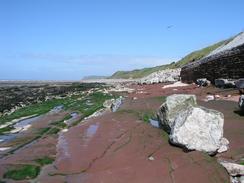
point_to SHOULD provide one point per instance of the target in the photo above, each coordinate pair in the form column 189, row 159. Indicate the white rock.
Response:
column 4, row 148
column 65, row 130
column 108, row 103
column 203, row 82
column 173, row 105
column 241, row 179
column 209, row 97
column 151, row 158
column 198, row 128
column 224, row 145
column 224, row 83
column 116, row 104
column 216, row 96
column 167, row 75
column 176, row 84
column 233, row 168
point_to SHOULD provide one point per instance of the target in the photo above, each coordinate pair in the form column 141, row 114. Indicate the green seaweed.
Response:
column 44, row 160
column 24, row 172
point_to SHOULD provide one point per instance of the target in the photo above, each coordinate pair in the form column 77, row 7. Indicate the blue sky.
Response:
column 68, row 39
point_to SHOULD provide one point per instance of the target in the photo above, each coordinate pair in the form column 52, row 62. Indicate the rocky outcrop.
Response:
column 193, row 127
column 167, row 75
column 227, row 63
column 173, row 105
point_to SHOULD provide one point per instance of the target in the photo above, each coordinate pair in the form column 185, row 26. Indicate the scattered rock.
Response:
column 113, row 104
column 108, row 103
column 241, row 102
column 116, row 104
column 121, row 88
column 203, row 82
column 224, row 145
column 154, row 123
column 233, row 169
column 167, row 75
column 224, row 83
column 209, row 98
column 217, row 96
column 240, row 85
column 173, row 105
column 176, row 84
column 198, row 128
column 237, row 179
column 151, row 158
column 65, row 130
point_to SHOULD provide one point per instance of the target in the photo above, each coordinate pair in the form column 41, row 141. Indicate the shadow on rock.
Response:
column 239, row 112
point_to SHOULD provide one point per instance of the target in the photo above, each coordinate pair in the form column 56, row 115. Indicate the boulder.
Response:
column 203, row 82
column 108, row 103
column 224, row 83
column 171, row 108
column 199, row 128
column 116, row 104
column 113, row 104
column 240, row 85
column 233, row 169
column 241, row 102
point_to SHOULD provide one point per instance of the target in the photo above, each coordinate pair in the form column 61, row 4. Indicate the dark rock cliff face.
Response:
column 226, row 64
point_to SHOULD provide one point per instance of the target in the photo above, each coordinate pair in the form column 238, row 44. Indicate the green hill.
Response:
column 139, row 73
column 196, row 55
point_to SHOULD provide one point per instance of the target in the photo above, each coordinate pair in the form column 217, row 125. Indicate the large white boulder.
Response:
column 199, row 128
column 171, row 108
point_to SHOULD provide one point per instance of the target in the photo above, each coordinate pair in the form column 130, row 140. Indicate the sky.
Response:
column 70, row 39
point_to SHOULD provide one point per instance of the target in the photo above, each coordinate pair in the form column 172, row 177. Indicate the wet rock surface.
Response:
column 120, row 147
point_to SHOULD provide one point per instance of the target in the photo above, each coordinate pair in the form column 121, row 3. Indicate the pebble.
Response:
column 151, row 158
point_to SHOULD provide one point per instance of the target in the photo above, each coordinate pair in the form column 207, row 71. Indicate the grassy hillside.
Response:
column 139, row 73
column 196, row 55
